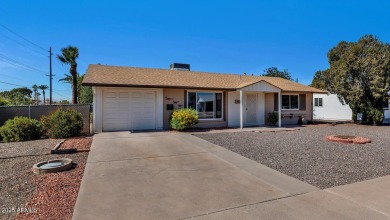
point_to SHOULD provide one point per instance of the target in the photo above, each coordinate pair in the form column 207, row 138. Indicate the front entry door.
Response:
column 251, row 108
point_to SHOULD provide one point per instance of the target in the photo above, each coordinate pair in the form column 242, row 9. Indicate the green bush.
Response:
column 20, row 129
column 183, row 118
column 272, row 118
column 3, row 101
column 377, row 116
column 62, row 123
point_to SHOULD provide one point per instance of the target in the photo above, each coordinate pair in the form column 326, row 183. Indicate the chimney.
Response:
column 179, row 66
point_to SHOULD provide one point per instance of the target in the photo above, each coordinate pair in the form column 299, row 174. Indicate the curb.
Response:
column 58, row 145
column 56, row 149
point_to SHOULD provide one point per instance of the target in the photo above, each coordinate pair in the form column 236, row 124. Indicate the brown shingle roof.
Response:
column 101, row 75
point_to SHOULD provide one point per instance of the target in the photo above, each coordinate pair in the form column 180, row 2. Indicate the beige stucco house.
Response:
column 130, row 98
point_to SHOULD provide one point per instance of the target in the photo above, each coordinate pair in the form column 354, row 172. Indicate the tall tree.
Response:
column 321, row 80
column 35, row 89
column 43, row 88
column 17, row 96
column 359, row 74
column 84, row 93
column 68, row 57
column 274, row 72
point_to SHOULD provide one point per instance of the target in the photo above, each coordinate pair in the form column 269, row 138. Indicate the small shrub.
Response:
column 272, row 118
column 20, row 129
column 301, row 120
column 183, row 118
column 62, row 123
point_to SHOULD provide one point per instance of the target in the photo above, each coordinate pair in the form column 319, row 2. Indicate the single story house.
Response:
column 329, row 107
column 130, row 98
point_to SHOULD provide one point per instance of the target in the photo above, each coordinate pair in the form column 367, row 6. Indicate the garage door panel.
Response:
column 148, row 113
column 123, row 116
column 110, row 95
column 123, row 106
column 110, row 116
column 123, row 95
column 148, row 105
column 116, row 126
column 129, row 110
column 137, row 95
column 110, row 105
column 149, row 96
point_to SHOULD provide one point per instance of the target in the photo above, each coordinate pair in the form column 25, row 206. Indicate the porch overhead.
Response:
column 263, row 87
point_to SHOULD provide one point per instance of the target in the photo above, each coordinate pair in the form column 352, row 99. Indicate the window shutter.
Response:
column 276, row 102
column 302, row 102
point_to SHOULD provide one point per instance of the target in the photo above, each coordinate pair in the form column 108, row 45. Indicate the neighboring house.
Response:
column 129, row 98
column 329, row 107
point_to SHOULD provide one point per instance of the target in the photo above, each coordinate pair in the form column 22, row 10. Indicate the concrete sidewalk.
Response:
column 168, row 175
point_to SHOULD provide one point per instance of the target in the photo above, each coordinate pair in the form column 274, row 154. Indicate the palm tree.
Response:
column 69, row 56
column 69, row 79
column 35, row 90
column 43, row 88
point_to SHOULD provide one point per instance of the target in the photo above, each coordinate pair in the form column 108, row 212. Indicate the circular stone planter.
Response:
column 348, row 139
column 52, row 166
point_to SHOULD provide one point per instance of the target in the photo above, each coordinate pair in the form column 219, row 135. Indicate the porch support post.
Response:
column 241, row 109
column 280, row 108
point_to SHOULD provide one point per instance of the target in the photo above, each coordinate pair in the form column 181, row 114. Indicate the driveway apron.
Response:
column 169, row 175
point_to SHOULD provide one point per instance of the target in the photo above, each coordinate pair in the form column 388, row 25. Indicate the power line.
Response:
column 68, row 97
column 17, row 63
column 24, row 46
column 14, row 84
column 23, row 37
column 14, row 77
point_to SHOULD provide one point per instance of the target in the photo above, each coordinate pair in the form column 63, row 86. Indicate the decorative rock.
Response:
column 348, row 139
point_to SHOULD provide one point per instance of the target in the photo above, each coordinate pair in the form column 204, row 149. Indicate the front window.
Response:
column 207, row 104
column 290, row 102
column 318, row 102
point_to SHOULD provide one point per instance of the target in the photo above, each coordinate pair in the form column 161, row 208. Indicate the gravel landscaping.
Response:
column 49, row 196
column 15, row 173
column 306, row 155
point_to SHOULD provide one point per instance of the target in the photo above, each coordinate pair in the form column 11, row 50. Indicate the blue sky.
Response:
column 213, row 36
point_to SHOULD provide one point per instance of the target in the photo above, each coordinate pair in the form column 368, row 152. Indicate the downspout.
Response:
column 280, row 108
column 241, row 109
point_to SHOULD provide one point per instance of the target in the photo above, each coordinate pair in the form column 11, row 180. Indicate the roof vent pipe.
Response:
column 179, row 66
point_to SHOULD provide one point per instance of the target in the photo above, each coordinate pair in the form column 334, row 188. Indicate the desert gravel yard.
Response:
column 20, row 188
column 15, row 173
column 305, row 155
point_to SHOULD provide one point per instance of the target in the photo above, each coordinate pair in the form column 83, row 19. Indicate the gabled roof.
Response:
column 102, row 75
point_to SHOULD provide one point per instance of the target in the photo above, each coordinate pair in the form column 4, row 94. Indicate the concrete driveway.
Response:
column 168, row 175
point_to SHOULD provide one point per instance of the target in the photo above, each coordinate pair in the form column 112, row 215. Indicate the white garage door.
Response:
column 125, row 110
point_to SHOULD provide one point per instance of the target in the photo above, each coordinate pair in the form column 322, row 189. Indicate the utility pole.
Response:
column 51, row 78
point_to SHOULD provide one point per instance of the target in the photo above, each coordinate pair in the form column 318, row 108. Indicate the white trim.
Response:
column 214, row 103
